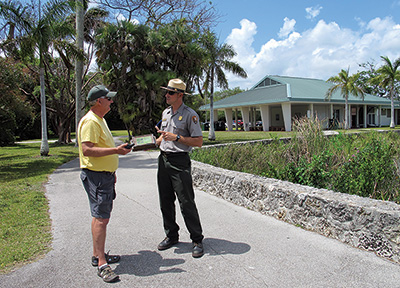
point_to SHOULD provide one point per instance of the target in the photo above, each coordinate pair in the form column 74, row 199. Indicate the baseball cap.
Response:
column 99, row 91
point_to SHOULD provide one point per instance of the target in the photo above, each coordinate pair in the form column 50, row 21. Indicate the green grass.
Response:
column 222, row 137
column 25, row 227
column 120, row 133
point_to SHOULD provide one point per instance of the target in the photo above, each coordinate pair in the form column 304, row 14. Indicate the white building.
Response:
column 278, row 100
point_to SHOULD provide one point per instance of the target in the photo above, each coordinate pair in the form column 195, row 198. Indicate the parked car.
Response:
column 219, row 126
column 205, row 126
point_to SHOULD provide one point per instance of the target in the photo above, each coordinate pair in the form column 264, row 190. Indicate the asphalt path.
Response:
column 242, row 248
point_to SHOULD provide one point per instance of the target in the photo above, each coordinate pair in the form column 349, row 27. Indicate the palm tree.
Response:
column 348, row 86
column 13, row 15
column 42, row 36
column 389, row 76
column 138, row 60
column 79, row 100
column 87, row 22
column 217, row 60
column 37, row 35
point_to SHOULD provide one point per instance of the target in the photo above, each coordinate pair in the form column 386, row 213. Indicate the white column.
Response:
column 215, row 115
column 287, row 116
column 236, row 119
column 331, row 115
column 379, row 115
column 265, row 117
column 253, row 117
column 365, row 116
column 245, row 115
column 349, row 116
column 228, row 118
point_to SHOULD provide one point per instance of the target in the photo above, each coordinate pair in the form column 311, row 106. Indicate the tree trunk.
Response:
column 79, row 99
column 346, row 114
column 211, row 132
column 392, row 125
column 64, row 136
column 44, row 146
column 64, row 130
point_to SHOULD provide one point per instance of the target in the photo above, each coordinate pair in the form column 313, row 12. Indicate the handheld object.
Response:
column 129, row 146
column 143, row 142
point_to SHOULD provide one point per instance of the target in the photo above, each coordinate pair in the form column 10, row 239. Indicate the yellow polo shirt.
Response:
column 94, row 129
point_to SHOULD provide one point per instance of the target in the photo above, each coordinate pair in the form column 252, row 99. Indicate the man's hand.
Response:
column 189, row 141
column 121, row 150
column 167, row 136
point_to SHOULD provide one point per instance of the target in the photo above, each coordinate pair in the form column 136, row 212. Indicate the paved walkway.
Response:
column 243, row 248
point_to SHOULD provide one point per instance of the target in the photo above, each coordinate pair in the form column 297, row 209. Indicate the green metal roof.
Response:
column 278, row 89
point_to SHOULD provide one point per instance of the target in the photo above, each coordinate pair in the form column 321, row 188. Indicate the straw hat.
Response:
column 176, row 85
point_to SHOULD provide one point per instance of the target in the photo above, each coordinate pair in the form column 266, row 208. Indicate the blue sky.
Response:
column 307, row 38
column 300, row 38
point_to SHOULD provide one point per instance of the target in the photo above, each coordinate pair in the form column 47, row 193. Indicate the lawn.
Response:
column 25, row 227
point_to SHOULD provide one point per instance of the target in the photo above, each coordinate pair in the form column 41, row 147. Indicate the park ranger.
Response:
column 180, row 131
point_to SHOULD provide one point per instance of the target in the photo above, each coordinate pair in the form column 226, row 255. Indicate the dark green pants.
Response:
column 175, row 180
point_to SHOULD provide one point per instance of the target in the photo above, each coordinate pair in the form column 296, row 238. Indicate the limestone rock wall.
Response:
column 361, row 222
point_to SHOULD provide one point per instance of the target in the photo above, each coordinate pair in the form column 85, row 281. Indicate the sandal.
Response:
column 107, row 274
column 109, row 258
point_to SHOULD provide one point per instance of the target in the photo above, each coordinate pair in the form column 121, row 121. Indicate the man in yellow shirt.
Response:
column 99, row 161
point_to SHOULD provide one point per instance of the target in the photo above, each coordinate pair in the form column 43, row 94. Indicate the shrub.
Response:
column 370, row 171
column 366, row 164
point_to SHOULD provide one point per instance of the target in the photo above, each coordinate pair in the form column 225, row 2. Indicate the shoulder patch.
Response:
column 194, row 119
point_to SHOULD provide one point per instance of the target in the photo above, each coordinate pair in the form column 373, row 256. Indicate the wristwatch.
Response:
column 178, row 137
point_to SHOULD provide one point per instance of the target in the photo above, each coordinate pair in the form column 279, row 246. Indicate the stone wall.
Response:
column 364, row 223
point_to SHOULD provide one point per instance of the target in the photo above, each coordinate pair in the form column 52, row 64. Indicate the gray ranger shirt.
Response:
column 184, row 122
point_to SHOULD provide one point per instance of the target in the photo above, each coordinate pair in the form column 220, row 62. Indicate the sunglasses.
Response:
column 171, row 92
column 108, row 98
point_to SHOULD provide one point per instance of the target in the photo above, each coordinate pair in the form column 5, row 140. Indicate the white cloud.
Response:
column 313, row 12
column 244, row 36
column 288, row 27
column 320, row 52
column 92, row 5
column 360, row 22
column 121, row 17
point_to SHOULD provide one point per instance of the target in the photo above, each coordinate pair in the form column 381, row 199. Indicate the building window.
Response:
column 267, row 82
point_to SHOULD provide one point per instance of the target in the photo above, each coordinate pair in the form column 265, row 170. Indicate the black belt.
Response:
column 173, row 153
column 105, row 172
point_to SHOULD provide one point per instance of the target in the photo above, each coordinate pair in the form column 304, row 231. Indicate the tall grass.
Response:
column 364, row 164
